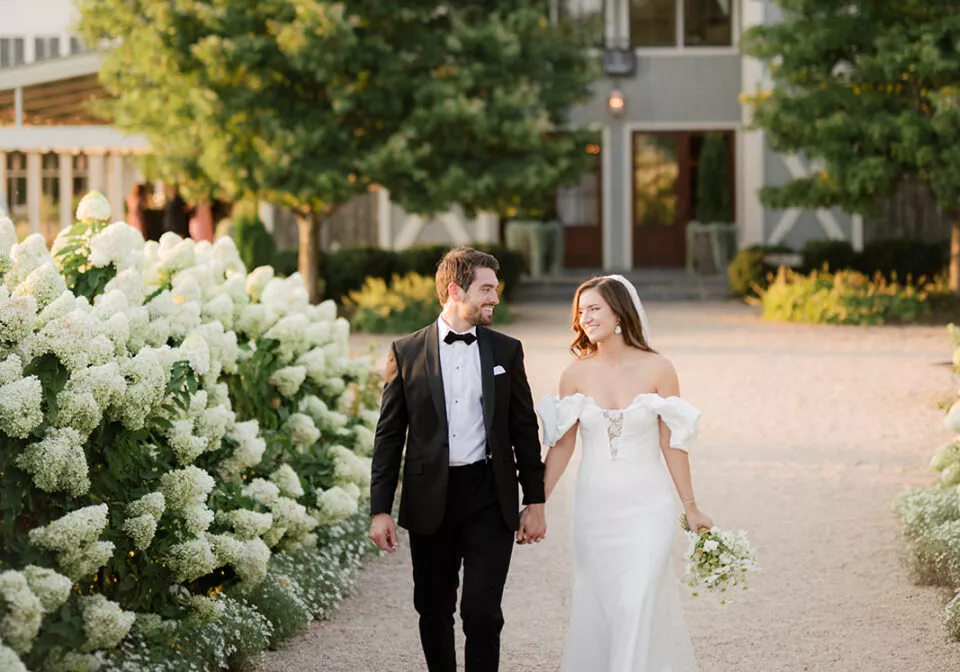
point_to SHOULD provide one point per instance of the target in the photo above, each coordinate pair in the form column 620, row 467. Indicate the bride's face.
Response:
column 597, row 319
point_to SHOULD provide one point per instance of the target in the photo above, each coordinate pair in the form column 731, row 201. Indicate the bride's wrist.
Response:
column 689, row 504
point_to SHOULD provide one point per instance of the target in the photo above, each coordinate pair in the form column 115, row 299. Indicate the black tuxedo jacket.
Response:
column 413, row 412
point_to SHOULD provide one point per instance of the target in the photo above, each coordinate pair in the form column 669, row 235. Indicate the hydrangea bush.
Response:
column 931, row 517
column 184, row 444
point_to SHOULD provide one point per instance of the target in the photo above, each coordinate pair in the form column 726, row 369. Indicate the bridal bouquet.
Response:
column 718, row 561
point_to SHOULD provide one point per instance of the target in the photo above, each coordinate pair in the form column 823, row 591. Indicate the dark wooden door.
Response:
column 664, row 187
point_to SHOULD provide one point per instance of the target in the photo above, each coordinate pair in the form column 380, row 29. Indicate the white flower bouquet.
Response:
column 718, row 561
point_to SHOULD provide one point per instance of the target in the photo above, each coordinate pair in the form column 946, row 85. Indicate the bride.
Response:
column 622, row 396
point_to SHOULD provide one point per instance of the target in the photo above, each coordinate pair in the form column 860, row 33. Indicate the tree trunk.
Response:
column 954, row 251
column 308, row 261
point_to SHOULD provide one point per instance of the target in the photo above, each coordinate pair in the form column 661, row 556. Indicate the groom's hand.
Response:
column 533, row 524
column 383, row 531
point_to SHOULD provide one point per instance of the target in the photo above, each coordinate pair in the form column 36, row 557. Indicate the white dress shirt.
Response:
column 463, row 392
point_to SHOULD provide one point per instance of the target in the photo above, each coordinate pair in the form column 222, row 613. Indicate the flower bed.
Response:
column 184, row 452
column 931, row 519
column 844, row 297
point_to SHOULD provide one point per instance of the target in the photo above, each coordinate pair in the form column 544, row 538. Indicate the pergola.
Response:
column 52, row 144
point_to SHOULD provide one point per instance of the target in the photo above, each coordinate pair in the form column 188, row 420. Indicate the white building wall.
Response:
column 30, row 19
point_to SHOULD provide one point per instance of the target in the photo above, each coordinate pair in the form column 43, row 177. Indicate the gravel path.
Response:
column 808, row 435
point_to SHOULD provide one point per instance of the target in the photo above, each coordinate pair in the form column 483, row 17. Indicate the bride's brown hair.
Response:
column 618, row 298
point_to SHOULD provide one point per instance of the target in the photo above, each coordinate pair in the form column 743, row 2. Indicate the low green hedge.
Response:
column 345, row 270
column 844, row 297
column 406, row 304
column 749, row 273
column 894, row 258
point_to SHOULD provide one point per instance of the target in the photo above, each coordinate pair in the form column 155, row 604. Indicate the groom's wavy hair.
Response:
column 618, row 298
column 459, row 266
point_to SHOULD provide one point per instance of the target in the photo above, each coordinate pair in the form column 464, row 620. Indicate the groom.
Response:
column 457, row 395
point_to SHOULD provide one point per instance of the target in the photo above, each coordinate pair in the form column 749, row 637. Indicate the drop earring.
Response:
column 617, row 330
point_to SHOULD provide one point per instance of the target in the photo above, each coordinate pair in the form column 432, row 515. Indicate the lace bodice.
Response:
column 635, row 425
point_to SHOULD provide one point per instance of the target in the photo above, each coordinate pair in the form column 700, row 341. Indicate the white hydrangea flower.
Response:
column 349, row 467
column 325, row 311
column 199, row 280
column 952, row 419
column 320, row 334
column 191, row 560
column 353, row 490
column 129, row 282
column 147, row 376
column 262, row 491
column 50, row 587
column 10, row 661
column 18, row 315
column 23, row 612
column 104, row 622
column 73, row 661
column 8, row 234
column 186, row 288
column 45, row 284
column 110, row 303
column 249, row 450
column 287, row 480
column 75, row 529
column 226, row 548
column 218, row 309
column 11, row 369
column 257, row 280
column 195, row 350
column 75, row 339
column 83, row 561
column 370, row 418
column 186, row 487
column 252, row 564
column 224, row 351
column 196, row 518
column 235, row 288
column 141, row 530
column 175, row 253
column 288, row 379
column 292, row 518
column 330, row 421
column 290, row 331
column 303, row 431
column 185, row 444
column 28, row 256
column 57, row 462
column 247, row 524
column 157, row 333
column 364, row 440
column 118, row 245
column 219, row 395
column 184, row 320
column 20, row 407
column 255, row 320
column 226, row 258
column 213, row 424
column 151, row 504
column 315, row 363
column 93, row 206
column 335, row 504
column 286, row 295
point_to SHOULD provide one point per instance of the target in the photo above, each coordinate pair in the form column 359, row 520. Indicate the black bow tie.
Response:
column 453, row 336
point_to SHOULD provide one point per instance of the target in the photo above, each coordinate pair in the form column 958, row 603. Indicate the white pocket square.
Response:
column 497, row 370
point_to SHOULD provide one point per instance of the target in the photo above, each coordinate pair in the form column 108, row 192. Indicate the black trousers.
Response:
column 473, row 533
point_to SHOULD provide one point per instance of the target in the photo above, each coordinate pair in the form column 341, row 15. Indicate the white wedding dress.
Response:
column 626, row 610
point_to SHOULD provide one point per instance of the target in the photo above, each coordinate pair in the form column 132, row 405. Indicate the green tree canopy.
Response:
column 307, row 104
column 869, row 90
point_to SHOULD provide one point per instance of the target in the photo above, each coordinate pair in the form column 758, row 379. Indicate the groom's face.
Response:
column 477, row 302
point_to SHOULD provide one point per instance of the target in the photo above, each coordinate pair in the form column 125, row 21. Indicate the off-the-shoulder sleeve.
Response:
column 557, row 415
column 683, row 419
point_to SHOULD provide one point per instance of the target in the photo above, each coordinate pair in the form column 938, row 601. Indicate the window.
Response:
column 46, row 47
column 687, row 23
column 81, row 177
column 75, row 46
column 589, row 13
column 707, row 23
column 17, row 183
column 653, row 23
column 50, row 177
column 11, row 51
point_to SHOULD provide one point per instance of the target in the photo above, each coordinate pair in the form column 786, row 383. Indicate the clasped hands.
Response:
column 533, row 524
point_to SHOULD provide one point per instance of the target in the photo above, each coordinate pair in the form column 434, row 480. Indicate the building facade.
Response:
column 673, row 75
